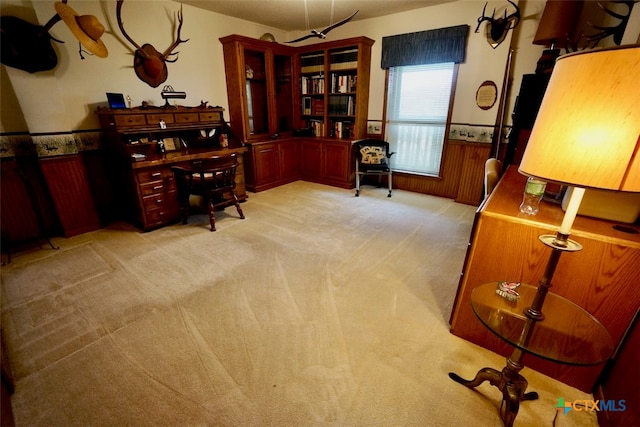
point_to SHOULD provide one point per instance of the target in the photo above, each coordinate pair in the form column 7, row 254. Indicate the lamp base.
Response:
column 547, row 61
column 553, row 241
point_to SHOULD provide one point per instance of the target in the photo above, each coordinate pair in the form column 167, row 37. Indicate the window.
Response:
column 418, row 102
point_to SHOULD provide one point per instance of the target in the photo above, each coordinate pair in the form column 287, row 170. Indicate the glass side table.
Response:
column 567, row 334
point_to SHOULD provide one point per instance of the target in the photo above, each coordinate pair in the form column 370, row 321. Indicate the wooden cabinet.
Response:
column 145, row 143
column 272, row 163
column 259, row 77
column 334, row 87
column 327, row 161
column 504, row 246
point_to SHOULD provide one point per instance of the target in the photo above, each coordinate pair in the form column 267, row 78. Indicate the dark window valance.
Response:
column 425, row 47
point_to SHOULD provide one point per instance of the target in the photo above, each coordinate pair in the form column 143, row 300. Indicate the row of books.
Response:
column 312, row 84
column 338, row 129
column 341, row 83
column 342, row 105
column 312, row 106
column 342, row 130
column 317, row 126
column 342, row 60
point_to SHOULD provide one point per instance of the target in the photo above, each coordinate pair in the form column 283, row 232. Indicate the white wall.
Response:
column 65, row 98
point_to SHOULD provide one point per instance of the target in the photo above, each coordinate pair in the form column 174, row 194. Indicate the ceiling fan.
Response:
column 323, row 34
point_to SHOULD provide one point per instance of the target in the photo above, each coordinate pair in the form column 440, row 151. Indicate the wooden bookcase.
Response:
column 334, row 88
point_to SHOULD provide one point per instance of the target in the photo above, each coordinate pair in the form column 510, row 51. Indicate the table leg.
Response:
column 508, row 381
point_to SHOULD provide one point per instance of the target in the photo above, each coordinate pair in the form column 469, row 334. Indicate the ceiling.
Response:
column 290, row 15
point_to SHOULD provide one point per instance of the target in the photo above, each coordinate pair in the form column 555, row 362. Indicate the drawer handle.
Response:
column 156, row 174
column 159, row 201
column 158, row 187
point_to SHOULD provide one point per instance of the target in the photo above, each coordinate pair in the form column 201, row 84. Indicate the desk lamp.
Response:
column 586, row 134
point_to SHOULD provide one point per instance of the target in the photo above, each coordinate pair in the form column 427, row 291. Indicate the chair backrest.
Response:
column 492, row 171
column 372, row 151
column 210, row 174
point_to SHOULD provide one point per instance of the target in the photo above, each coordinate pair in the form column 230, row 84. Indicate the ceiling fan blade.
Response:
column 337, row 24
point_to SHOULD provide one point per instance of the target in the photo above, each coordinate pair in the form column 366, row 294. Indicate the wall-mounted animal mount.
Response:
column 149, row 64
column 616, row 31
column 498, row 28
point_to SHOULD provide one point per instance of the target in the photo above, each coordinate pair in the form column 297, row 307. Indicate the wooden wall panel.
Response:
column 26, row 210
column 462, row 174
column 69, row 187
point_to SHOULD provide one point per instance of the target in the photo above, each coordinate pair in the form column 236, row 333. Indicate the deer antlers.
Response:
column 498, row 28
column 617, row 31
column 149, row 64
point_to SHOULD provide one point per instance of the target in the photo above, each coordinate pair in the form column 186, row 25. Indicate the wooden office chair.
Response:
column 373, row 158
column 214, row 179
column 492, row 173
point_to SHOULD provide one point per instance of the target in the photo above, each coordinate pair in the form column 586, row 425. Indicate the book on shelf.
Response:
column 317, row 106
column 341, row 56
column 342, row 105
column 317, row 126
column 342, row 129
column 343, row 83
column 306, row 105
column 312, row 84
column 312, row 63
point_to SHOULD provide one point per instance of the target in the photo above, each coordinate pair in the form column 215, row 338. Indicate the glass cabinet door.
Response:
column 257, row 94
column 284, row 92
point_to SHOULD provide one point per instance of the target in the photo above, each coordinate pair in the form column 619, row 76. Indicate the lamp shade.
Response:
column 558, row 22
column 587, row 132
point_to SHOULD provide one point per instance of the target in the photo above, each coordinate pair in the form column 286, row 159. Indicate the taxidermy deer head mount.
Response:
column 497, row 28
column 149, row 64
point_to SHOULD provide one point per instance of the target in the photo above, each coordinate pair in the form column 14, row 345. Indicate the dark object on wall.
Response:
column 86, row 28
column 525, row 112
column 497, row 28
column 323, row 34
column 149, row 64
column 27, row 46
column 556, row 29
column 617, row 31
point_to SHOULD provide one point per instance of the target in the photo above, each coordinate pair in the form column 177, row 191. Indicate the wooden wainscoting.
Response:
column 462, row 174
column 69, row 187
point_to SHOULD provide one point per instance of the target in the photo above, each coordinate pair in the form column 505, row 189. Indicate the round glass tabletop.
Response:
column 568, row 334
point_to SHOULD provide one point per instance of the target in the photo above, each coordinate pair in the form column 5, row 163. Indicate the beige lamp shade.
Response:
column 587, row 132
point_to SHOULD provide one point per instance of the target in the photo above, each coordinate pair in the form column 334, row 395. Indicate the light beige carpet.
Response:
column 318, row 309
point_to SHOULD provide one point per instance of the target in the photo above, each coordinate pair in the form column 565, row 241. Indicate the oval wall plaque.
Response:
column 486, row 95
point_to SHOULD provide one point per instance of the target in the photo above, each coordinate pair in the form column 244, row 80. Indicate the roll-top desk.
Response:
column 145, row 142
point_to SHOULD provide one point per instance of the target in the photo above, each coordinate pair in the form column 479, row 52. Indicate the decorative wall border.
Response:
column 51, row 144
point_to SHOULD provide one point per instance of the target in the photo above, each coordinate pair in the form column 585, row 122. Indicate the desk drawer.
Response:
column 213, row 116
column 151, row 175
column 154, row 119
column 187, row 118
column 159, row 201
column 157, row 187
column 130, row 120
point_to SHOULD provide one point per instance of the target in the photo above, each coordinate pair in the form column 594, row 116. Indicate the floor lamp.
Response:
column 586, row 134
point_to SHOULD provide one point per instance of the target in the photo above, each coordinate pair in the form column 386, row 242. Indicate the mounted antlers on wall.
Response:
column 617, row 31
column 497, row 28
column 149, row 64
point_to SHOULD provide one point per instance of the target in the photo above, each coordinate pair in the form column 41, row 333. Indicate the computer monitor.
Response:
column 116, row 100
